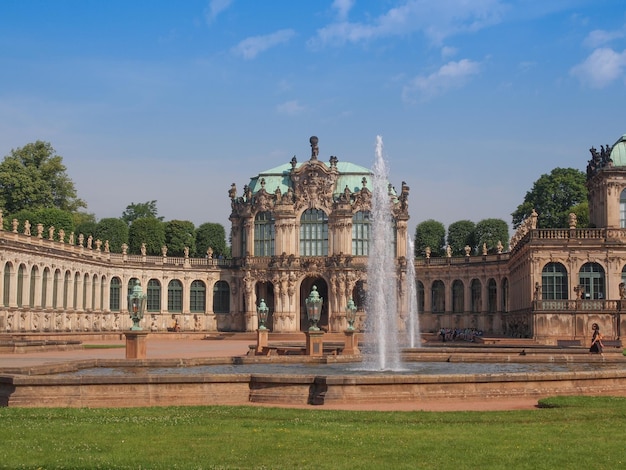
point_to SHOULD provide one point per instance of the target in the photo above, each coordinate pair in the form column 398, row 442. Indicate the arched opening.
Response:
column 591, row 278
column 458, row 296
column 554, row 282
column 438, row 297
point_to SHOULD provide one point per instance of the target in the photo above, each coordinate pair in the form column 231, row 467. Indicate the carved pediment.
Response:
column 314, row 184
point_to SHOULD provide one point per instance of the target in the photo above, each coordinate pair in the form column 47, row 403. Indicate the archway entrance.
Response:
column 305, row 289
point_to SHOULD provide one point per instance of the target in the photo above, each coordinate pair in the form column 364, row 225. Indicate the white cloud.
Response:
column 215, row 8
column 291, row 108
column 436, row 20
column 343, row 7
column 250, row 47
column 450, row 75
column 448, row 51
column 602, row 67
column 600, row 37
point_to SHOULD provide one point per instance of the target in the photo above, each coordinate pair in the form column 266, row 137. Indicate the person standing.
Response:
column 596, row 340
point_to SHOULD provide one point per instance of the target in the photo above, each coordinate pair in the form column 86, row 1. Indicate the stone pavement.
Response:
column 198, row 348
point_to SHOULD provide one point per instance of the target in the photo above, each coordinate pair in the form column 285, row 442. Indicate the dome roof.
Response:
column 618, row 152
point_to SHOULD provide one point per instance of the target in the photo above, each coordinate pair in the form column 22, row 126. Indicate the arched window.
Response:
column 438, row 297
column 314, row 233
column 197, row 297
column 361, row 233
column 420, row 296
column 66, row 289
column 75, row 292
column 221, row 297
column 114, row 294
column 7, row 284
column 153, row 296
column 504, row 292
column 458, row 296
column 591, row 277
column 55, row 288
column 264, row 234
column 477, row 300
column 492, row 300
column 174, row 296
column 20, row 285
column 622, row 209
column 554, row 282
column 34, row 272
column 44, row 288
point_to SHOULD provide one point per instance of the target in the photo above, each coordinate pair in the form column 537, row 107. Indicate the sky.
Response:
column 175, row 100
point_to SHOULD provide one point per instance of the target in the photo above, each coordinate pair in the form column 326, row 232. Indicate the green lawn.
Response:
column 568, row 432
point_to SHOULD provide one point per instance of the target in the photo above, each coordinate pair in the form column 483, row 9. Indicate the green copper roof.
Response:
column 350, row 175
column 618, row 153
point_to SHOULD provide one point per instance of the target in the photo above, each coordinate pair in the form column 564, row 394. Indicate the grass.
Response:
column 567, row 432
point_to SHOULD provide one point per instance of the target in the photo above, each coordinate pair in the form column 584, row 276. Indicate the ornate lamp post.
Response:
column 314, row 342
column 136, row 337
column 136, row 306
column 262, row 311
column 351, row 344
column 351, row 314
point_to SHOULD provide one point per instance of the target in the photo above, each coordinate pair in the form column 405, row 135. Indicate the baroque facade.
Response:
column 308, row 223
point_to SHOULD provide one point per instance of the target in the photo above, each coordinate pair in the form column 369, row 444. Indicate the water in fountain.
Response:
column 413, row 327
column 382, row 312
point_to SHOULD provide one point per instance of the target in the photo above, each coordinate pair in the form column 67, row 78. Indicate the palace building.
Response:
column 305, row 224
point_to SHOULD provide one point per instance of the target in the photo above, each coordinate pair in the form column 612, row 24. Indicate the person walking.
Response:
column 596, row 340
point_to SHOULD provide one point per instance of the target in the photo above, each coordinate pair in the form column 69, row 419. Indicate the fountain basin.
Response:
column 147, row 383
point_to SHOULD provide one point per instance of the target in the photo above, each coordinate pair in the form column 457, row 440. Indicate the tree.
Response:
column 146, row 230
column 178, row 235
column 432, row 234
column 114, row 230
column 137, row 211
column 554, row 196
column 34, row 177
column 461, row 234
column 86, row 229
column 490, row 232
column 212, row 235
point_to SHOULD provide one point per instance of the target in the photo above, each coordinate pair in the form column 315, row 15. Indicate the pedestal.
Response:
column 261, row 340
column 314, row 343
column 351, row 344
column 136, row 344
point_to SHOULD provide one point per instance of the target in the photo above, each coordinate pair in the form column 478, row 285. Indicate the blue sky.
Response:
column 174, row 101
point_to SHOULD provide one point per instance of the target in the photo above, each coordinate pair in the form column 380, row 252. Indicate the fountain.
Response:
column 413, row 327
column 382, row 328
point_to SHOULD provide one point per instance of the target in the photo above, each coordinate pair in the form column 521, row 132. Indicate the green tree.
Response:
column 114, row 230
column 461, row 234
column 140, row 210
column 211, row 235
column 490, row 232
column 146, row 230
column 21, row 216
column 432, row 234
column 86, row 229
column 34, row 177
column 554, row 196
column 178, row 235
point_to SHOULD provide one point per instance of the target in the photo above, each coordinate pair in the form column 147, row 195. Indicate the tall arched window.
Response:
column 622, row 209
column 554, row 282
column 55, row 288
column 264, row 234
column 458, row 296
column 438, row 297
column 66, row 289
column 591, row 277
column 44, row 288
column 114, row 294
column 153, row 296
column 314, row 233
column 174, row 296
column 492, row 300
column 34, row 272
column 361, row 233
column 420, row 296
column 477, row 301
column 7, row 283
column 20, row 284
column 504, row 292
column 197, row 297
column 221, row 297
